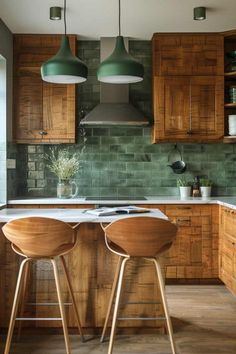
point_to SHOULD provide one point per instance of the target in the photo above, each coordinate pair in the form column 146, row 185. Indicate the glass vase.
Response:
column 66, row 189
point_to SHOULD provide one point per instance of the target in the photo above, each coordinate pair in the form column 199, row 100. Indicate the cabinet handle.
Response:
column 42, row 133
column 185, row 207
column 182, row 220
column 190, row 132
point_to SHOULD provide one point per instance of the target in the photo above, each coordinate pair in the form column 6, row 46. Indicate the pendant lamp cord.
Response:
column 65, row 16
column 119, row 17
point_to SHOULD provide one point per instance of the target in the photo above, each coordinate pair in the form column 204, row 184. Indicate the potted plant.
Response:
column 205, row 187
column 64, row 165
column 185, row 188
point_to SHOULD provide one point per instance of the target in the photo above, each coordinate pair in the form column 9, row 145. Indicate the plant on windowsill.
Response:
column 205, row 187
column 185, row 188
column 64, row 165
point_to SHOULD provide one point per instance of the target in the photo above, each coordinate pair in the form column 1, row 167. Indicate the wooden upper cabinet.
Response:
column 188, row 54
column 188, row 108
column 207, row 107
column 171, row 107
column 28, row 110
column 188, row 87
column 43, row 112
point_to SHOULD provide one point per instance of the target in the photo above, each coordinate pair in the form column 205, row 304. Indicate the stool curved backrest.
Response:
column 141, row 236
column 40, row 236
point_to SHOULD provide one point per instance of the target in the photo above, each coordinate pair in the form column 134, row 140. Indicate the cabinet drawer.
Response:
column 229, row 223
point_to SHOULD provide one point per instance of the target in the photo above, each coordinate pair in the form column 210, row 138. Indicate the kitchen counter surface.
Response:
column 69, row 215
column 225, row 201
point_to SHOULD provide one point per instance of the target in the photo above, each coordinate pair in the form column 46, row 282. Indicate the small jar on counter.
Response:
column 196, row 187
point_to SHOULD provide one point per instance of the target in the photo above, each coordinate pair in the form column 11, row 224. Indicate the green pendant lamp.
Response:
column 120, row 67
column 64, row 67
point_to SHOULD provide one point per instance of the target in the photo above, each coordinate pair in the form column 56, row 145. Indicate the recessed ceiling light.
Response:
column 199, row 13
column 55, row 13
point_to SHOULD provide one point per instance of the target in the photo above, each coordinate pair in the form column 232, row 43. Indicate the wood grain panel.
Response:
column 171, row 108
column 188, row 54
column 59, row 112
column 196, row 243
column 40, row 106
column 207, row 107
column 188, row 109
column 91, row 266
column 227, row 252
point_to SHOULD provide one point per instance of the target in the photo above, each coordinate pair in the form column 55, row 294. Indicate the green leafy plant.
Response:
column 205, row 182
column 63, row 163
column 181, row 182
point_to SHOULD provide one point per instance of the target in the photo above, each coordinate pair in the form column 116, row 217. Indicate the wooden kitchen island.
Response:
column 193, row 259
column 91, row 268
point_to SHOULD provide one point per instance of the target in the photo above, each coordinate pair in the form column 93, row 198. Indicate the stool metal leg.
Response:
column 118, row 293
column 61, row 305
column 72, row 296
column 165, row 306
column 113, row 290
column 22, row 304
column 15, row 304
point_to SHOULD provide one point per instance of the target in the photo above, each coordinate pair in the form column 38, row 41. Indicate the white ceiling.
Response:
column 92, row 19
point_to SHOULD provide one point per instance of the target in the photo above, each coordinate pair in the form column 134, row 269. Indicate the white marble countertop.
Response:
column 70, row 215
column 226, row 201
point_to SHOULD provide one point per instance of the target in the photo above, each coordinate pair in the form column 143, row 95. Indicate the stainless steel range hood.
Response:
column 114, row 107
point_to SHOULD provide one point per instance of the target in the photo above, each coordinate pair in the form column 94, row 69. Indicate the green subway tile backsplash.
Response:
column 121, row 161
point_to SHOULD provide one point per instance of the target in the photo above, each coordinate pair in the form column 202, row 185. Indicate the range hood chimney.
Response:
column 114, row 107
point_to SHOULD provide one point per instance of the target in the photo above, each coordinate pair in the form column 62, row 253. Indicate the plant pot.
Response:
column 205, row 192
column 65, row 189
column 185, row 192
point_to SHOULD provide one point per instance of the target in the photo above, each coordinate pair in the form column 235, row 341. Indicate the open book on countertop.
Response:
column 106, row 211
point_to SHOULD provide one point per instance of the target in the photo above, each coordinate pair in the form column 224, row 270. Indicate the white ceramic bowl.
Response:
column 232, row 124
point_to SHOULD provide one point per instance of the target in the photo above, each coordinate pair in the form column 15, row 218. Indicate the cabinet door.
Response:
column 227, row 269
column 59, row 113
column 28, row 111
column 188, row 109
column 43, row 112
column 171, row 108
column 208, row 54
column 191, row 255
column 207, row 107
column 188, row 54
column 172, row 55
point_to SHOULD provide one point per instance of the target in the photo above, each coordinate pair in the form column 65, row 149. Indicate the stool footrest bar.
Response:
column 141, row 318
column 47, row 303
column 38, row 319
column 142, row 303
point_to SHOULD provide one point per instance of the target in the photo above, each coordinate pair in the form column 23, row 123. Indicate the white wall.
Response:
column 3, row 120
column 6, row 69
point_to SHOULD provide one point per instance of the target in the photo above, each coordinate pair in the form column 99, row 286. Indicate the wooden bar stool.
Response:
column 146, row 237
column 38, row 238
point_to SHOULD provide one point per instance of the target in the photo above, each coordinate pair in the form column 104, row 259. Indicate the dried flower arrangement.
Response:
column 63, row 163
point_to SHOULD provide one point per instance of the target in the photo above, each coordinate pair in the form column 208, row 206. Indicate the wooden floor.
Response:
column 204, row 320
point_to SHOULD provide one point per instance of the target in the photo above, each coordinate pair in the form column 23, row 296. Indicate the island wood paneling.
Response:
column 194, row 256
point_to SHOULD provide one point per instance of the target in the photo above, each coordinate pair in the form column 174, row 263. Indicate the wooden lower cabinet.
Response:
column 194, row 255
column 227, row 254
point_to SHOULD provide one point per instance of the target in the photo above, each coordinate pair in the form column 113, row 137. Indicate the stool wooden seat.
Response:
column 37, row 238
column 130, row 237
